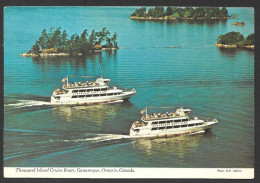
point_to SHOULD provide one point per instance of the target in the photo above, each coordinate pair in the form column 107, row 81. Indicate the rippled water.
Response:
column 197, row 75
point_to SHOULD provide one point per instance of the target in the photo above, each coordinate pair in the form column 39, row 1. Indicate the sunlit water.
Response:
column 169, row 64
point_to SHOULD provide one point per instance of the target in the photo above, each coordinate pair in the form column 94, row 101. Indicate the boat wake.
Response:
column 116, row 101
column 108, row 137
column 194, row 133
column 101, row 138
column 28, row 103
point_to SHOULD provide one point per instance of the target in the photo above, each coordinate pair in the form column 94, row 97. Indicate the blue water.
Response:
column 197, row 75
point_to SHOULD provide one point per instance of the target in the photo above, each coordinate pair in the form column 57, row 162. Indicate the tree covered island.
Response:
column 235, row 40
column 56, row 42
column 174, row 13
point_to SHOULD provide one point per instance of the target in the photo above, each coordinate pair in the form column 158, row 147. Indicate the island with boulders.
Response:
column 180, row 13
column 56, row 43
column 236, row 40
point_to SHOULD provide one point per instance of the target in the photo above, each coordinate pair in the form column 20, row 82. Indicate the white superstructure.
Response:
column 89, row 93
column 169, row 124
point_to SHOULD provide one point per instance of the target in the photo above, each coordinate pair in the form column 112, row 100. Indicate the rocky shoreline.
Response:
column 175, row 18
column 60, row 54
column 234, row 46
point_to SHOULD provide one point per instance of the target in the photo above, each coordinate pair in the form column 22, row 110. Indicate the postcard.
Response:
column 128, row 92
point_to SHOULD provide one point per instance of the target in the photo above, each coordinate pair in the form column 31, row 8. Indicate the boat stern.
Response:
column 133, row 130
column 55, row 99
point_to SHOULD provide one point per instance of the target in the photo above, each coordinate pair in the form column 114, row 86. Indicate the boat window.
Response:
column 177, row 120
column 75, row 96
column 136, row 130
column 109, row 94
column 89, row 90
column 176, row 126
column 184, row 126
column 82, row 90
column 96, row 95
column 185, row 119
column 88, row 95
column 154, row 128
column 58, row 97
column 161, row 128
column 97, row 89
column 75, row 91
column 81, row 96
column 102, row 95
column 169, row 127
column 191, row 125
column 103, row 89
column 155, row 123
column 162, row 122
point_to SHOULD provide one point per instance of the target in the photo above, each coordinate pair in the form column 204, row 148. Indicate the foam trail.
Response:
column 202, row 131
column 101, row 138
column 28, row 103
column 117, row 101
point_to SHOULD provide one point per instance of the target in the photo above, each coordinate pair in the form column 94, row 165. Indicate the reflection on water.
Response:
column 179, row 145
column 98, row 113
column 231, row 52
column 76, row 61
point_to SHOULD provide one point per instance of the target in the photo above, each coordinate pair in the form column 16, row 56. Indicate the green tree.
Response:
column 102, row 35
column 64, row 38
column 224, row 12
column 43, row 39
column 140, row 12
column 230, row 38
column 114, row 40
column 36, row 47
column 169, row 11
column 251, row 39
column 92, row 39
column 49, row 43
column 56, row 39
column 83, row 42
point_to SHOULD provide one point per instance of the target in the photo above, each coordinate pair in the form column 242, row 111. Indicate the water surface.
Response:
column 197, row 75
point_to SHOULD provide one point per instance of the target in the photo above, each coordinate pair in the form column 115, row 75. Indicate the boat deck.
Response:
column 82, row 85
column 161, row 116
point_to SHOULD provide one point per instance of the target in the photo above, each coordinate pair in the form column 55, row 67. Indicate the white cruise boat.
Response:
column 89, row 92
column 169, row 124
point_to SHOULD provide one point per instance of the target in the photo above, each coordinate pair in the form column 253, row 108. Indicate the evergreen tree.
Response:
column 43, row 39
column 64, row 38
column 169, row 11
column 36, row 47
column 113, row 40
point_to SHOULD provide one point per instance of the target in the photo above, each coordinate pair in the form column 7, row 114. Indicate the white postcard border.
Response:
column 126, row 172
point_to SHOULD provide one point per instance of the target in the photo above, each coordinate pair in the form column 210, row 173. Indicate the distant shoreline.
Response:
column 234, row 46
column 61, row 53
column 179, row 18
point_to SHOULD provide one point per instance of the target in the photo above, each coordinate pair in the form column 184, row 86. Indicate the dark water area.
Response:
column 168, row 63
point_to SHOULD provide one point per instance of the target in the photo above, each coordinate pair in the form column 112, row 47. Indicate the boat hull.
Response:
column 172, row 132
column 91, row 100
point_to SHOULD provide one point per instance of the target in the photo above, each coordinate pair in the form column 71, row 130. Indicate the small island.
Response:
column 236, row 40
column 56, row 43
column 176, row 13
